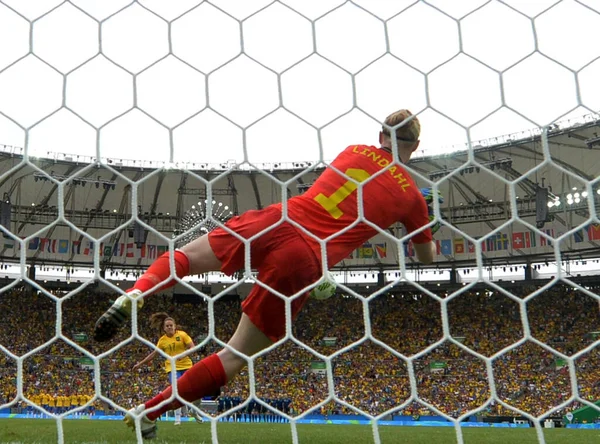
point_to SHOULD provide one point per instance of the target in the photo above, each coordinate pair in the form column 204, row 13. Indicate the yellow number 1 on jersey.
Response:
column 331, row 203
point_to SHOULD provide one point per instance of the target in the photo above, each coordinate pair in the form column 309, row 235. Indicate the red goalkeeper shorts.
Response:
column 283, row 257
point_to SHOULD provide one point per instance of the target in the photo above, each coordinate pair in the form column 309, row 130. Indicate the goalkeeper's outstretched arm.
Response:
column 425, row 252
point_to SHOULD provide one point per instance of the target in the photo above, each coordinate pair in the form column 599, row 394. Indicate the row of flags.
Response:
column 86, row 247
column 370, row 251
column 498, row 242
column 520, row 240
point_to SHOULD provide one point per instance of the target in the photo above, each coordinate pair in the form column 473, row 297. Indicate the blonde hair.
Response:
column 409, row 131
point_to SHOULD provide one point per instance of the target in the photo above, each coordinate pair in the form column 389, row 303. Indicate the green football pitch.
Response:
column 15, row 431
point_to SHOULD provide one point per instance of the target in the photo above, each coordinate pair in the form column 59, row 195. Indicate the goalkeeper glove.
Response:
column 428, row 195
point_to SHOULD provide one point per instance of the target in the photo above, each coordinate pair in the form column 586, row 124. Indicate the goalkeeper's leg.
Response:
column 197, row 257
column 287, row 270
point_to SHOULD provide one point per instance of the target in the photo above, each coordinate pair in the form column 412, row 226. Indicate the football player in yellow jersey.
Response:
column 45, row 399
column 173, row 342
column 83, row 400
column 36, row 398
column 74, row 400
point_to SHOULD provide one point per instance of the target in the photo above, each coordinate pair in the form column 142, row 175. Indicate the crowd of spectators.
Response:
column 367, row 374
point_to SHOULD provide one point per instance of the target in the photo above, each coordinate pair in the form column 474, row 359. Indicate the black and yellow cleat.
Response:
column 109, row 324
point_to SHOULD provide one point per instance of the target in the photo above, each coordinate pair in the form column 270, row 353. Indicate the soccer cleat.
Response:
column 177, row 422
column 113, row 319
column 148, row 428
column 197, row 416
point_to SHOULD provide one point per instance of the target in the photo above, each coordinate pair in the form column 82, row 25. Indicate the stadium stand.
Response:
column 368, row 377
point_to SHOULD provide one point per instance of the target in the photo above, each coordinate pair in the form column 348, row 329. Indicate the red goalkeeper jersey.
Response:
column 331, row 204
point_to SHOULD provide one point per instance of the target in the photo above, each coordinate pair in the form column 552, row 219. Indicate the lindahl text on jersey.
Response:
column 383, row 162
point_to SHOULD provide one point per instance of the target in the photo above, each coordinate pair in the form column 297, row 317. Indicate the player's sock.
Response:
column 204, row 378
column 160, row 271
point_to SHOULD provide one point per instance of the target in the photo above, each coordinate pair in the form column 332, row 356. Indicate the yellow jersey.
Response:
column 174, row 346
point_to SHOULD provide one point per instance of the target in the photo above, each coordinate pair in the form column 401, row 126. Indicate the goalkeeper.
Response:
column 287, row 258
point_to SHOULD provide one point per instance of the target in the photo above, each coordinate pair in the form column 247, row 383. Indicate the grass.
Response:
column 44, row 431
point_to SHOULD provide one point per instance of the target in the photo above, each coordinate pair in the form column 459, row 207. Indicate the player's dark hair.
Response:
column 157, row 322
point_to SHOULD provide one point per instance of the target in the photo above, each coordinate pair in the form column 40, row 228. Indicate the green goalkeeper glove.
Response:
column 428, row 195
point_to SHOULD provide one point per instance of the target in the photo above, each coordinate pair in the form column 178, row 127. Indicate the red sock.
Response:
column 204, row 378
column 160, row 271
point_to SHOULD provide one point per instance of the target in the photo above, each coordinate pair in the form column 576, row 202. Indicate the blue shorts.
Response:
column 178, row 374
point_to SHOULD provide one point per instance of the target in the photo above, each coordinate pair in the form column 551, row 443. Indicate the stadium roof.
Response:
column 574, row 159
column 476, row 188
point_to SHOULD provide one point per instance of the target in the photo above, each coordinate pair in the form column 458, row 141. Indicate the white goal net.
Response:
column 118, row 116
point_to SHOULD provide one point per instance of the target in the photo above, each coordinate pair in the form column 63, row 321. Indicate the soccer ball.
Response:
column 323, row 291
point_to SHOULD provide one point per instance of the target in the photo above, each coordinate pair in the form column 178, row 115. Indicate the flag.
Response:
column 63, row 246
column 543, row 240
column 594, row 232
column 518, row 240
column 533, row 239
column 366, row 251
column 446, row 246
column 151, row 251
column 161, row 249
column 34, row 243
column 130, row 251
column 490, row 243
column 118, row 249
column 530, row 239
column 76, row 247
column 459, row 245
column 470, row 247
column 438, row 247
column 9, row 242
column 140, row 251
column 381, row 250
column 409, row 250
column 51, row 246
column 501, row 241
column 578, row 236
column 89, row 248
column 43, row 243
column 106, row 250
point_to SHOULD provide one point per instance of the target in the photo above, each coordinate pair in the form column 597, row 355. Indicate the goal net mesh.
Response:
column 300, row 81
